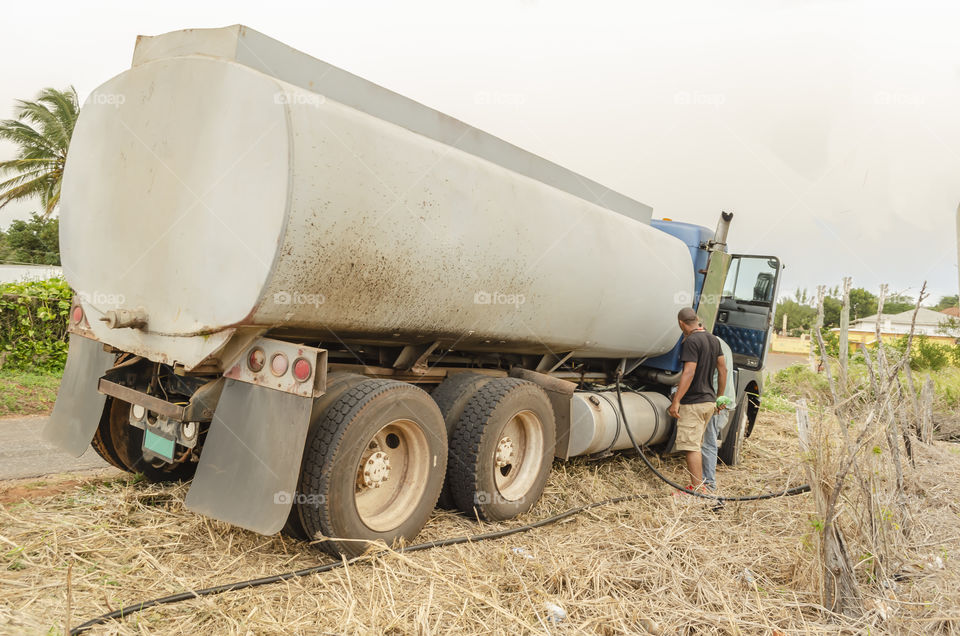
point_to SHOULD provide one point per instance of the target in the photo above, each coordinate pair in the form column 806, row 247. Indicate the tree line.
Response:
column 801, row 312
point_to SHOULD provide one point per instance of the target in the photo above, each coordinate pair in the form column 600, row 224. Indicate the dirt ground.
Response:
column 660, row 565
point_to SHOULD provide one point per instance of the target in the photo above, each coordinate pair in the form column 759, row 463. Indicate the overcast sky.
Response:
column 831, row 129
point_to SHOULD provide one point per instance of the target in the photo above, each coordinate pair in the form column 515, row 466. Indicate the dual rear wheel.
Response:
column 378, row 454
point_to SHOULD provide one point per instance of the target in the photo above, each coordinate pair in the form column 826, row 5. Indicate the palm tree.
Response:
column 42, row 130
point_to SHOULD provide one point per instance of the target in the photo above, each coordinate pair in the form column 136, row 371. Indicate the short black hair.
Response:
column 688, row 316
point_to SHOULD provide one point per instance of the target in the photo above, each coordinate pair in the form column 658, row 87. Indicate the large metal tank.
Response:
column 228, row 181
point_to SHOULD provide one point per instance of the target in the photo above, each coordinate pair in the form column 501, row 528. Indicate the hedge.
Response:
column 33, row 325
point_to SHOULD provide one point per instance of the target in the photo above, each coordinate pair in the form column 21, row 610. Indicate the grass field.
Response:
column 27, row 393
column 660, row 565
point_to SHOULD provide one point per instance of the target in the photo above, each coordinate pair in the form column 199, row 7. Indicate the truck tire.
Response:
column 127, row 443
column 501, row 450
column 102, row 442
column 337, row 383
column 373, row 467
column 451, row 397
column 731, row 452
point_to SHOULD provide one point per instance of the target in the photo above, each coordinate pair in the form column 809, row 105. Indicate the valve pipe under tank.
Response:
column 597, row 425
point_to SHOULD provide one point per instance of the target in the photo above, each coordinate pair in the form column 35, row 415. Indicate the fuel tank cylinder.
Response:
column 597, row 424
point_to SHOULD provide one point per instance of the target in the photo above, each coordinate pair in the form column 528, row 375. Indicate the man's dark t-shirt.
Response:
column 704, row 349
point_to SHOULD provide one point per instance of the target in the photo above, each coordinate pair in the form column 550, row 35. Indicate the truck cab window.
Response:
column 751, row 279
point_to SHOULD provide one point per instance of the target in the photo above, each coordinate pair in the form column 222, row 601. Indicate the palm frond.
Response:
column 41, row 131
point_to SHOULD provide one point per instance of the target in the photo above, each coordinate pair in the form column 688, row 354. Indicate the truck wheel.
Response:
column 373, row 467
column 127, row 443
column 502, row 449
column 452, row 396
column 103, row 443
column 731, row 452
column 338, row 382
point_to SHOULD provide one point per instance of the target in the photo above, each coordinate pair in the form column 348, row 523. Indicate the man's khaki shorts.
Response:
column 691, row 425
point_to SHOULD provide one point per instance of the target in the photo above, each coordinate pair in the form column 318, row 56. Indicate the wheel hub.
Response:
column 504, row 456
column 376, row 470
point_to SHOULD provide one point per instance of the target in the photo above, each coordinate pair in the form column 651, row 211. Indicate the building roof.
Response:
column 929, row 322
column 951, row 311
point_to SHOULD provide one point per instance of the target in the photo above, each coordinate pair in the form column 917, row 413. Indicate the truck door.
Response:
column 745, row 315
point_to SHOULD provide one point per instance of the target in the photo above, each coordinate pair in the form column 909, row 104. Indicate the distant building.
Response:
column 951, row 311
column 935, row 325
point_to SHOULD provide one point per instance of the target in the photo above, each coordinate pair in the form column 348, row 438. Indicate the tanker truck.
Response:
column 332, row 307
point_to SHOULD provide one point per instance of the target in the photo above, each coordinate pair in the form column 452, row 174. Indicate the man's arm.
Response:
column 686, row 378
column 721, row 375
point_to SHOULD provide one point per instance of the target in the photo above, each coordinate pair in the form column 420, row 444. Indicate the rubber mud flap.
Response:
column 76, row 414
column 250, row 462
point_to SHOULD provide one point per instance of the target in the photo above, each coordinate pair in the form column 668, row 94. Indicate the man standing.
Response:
column 695, row 401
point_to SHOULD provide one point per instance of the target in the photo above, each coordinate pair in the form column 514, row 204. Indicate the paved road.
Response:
column 24, row 454
column 777, row 361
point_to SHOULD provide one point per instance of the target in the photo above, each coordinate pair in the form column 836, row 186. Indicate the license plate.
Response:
column 158, row 445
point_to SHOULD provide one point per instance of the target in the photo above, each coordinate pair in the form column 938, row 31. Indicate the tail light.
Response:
column 302, row 370
column 256, row 360
column 279, row 364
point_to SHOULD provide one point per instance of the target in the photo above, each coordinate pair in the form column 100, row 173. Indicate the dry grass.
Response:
column 658, row 565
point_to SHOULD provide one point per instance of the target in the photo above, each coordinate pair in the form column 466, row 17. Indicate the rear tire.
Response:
column 731, row 452
column 373, row 467
column 502, row 450
column 452, row 397
column 337, row 384
column 102, row 442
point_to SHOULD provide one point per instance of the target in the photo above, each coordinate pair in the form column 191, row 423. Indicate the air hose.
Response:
column 439, row 543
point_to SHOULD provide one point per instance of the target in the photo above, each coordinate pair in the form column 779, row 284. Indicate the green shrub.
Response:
column 33, row 325
column 797, row 381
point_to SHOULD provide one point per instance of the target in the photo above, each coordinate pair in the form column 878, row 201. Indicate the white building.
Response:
column 929, row 323
column 26, row 273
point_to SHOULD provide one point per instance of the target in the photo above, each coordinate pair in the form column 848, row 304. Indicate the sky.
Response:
column 830, row 129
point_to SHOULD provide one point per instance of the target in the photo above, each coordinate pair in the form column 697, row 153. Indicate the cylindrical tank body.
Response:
column 597, row 424
column 211, row 195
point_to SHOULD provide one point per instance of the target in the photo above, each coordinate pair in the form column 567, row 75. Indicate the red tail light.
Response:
column 256, row 360
column 302, row 369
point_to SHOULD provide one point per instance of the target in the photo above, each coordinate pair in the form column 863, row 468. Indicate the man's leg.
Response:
column 694, row 467
column 709, row 449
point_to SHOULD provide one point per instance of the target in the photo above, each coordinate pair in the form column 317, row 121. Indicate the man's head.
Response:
column 689, row 322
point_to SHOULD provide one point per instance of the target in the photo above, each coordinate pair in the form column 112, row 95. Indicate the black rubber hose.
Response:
column 797, row 490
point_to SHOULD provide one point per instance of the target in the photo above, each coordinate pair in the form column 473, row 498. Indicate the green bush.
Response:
column 797, row 381
column 33, row 325
column 927, row 354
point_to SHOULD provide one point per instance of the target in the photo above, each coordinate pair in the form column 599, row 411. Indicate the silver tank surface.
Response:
column 228, row 182
column 597, row 425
